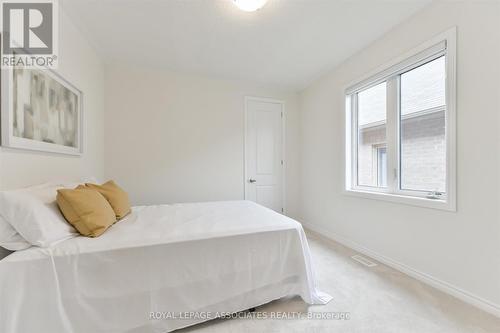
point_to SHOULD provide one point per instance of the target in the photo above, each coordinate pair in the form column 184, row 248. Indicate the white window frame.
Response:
column 442, row 45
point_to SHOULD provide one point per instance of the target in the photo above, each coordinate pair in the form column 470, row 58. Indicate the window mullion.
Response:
column 392, row 134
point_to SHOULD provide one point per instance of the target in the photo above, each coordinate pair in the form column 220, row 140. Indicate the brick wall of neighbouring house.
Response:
column 423, row 153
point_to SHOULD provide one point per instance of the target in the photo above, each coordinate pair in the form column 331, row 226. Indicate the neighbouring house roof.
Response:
column 418, row 115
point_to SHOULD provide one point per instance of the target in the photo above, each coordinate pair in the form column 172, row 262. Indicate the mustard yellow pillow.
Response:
column 117, row 198
column 86, row 209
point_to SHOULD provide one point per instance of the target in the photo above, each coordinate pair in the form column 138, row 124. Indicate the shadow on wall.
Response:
column 4, row 252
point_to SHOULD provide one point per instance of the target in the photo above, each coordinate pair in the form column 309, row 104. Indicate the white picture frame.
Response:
column 10, row 140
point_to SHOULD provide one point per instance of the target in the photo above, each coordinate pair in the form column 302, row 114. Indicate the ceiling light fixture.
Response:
column 249, row 5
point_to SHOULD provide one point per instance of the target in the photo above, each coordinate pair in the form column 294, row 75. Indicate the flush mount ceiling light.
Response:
column 249, row 5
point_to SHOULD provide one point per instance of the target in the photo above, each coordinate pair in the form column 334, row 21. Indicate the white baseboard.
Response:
column 441, row 285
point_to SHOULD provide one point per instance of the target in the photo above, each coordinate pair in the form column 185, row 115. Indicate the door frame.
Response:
column 283, row 145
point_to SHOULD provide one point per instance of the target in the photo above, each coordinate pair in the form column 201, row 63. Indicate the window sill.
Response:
column 403, row 199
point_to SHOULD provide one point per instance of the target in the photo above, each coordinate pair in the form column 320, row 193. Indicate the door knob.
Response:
column 252, row 180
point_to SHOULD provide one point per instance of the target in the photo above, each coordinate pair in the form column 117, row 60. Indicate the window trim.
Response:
column 442, row 44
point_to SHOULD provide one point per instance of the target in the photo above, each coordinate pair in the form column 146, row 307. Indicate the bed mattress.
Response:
column 161, row 268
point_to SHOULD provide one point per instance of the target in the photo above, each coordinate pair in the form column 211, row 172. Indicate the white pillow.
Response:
column 10, row 238
column 34, row 214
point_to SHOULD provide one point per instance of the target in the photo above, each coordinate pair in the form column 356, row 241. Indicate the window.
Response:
column 400, row 129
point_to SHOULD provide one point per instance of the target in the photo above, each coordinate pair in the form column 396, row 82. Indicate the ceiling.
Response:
column 288, row 43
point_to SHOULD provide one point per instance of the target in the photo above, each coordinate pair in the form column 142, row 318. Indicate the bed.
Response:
column 161, row 268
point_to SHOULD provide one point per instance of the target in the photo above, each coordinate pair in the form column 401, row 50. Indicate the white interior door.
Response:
column 264, row 153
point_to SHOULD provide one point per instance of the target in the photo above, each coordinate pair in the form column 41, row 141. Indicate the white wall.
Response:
column 463, row 248
column 79, row 64
column 174, row 137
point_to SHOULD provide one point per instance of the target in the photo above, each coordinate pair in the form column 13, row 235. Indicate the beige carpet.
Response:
column 378, row 299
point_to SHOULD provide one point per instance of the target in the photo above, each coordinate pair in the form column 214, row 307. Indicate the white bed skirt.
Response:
column 188, row 261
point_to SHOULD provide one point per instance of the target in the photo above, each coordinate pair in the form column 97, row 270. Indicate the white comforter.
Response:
column 185, row 263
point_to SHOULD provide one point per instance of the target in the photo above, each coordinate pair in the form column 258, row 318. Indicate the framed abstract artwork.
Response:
column 41, row 111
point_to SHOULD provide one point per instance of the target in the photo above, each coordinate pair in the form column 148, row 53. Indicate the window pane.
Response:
column 423, row 87
column 371, row 134
column 423, row 124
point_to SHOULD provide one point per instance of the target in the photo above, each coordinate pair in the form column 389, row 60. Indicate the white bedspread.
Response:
column 172, row 259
